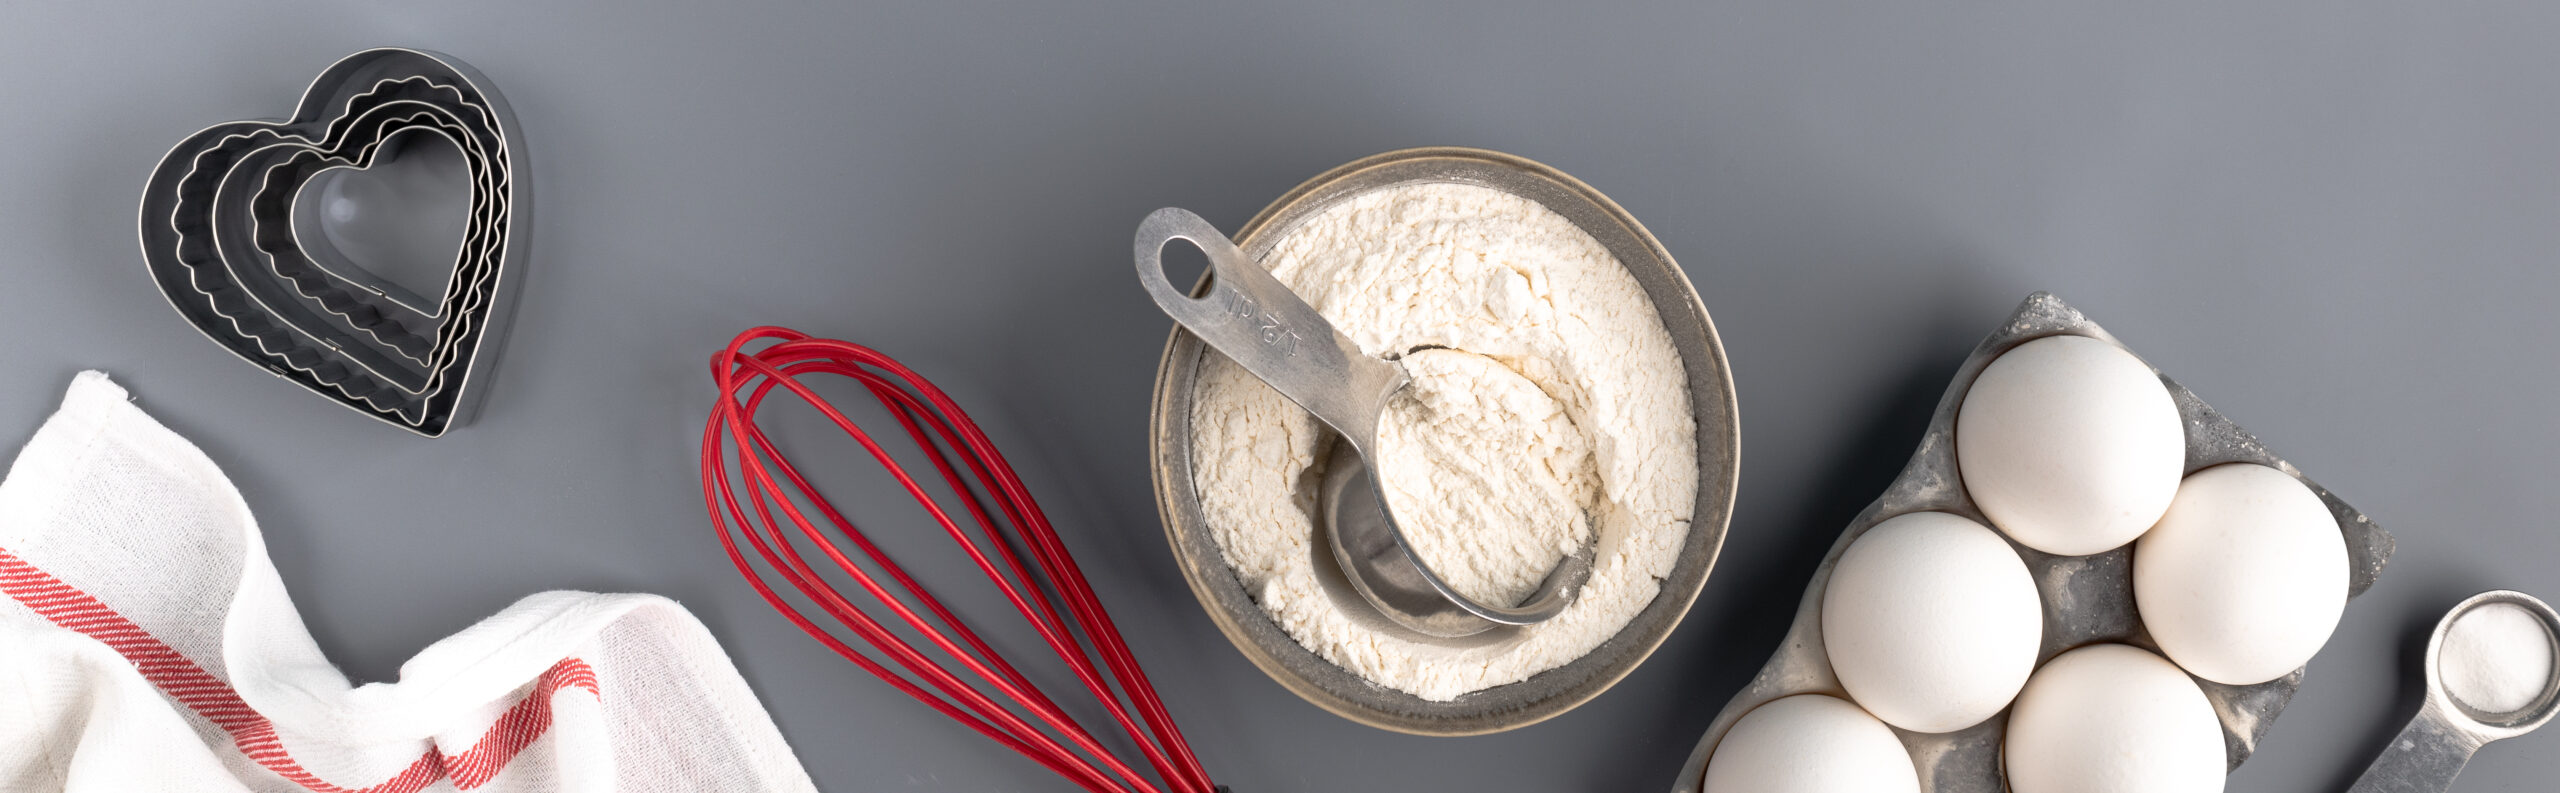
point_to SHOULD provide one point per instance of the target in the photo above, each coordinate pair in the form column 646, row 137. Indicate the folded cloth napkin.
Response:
column 147, row 644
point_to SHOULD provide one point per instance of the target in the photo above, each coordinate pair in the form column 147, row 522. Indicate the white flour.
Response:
column 1491, row 476
column 1560, row 397
column 2496, row 658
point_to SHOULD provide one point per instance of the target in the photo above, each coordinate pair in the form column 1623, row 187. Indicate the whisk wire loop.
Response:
column 771, row 513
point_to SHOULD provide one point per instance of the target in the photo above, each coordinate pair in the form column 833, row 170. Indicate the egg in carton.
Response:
column 2086, row 600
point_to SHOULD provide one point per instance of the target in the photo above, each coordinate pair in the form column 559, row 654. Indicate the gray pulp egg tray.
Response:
column 2087, row 599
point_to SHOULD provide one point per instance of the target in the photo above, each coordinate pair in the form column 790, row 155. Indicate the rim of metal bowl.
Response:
column 1546, row 694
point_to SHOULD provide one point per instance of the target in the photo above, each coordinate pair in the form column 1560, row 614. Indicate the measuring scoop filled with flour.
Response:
column 1389, row 426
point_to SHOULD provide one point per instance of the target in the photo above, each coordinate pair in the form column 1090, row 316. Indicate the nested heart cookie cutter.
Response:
column 224, row 241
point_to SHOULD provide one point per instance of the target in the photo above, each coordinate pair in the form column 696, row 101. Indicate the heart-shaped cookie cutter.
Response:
column 251, row 164
column 222, row 238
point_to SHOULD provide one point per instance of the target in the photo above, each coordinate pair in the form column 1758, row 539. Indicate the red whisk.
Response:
column 942, row 431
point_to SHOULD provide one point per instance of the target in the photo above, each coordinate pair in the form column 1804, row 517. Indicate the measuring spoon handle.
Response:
column 2423, row 758
column 1254, row 319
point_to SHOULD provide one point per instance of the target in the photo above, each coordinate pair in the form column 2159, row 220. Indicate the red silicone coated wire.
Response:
column 1001, row 704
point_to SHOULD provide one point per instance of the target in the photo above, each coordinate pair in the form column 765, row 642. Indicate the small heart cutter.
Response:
column 219, row 233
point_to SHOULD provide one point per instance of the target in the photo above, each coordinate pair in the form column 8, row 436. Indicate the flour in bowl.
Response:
column 1491, row 478
column 1548, row 409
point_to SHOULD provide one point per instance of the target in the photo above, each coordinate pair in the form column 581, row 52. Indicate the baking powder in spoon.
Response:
column 2496, row 658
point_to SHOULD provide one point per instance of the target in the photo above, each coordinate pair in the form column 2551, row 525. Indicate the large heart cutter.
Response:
column 220, row 235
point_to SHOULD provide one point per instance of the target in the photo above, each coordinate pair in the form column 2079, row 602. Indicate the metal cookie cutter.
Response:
column 222, row 237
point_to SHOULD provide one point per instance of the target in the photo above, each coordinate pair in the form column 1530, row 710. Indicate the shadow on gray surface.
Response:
column 1754, row 617
column 2411, row 671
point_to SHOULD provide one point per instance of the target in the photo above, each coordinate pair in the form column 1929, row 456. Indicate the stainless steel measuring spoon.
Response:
column 2427, row 754
column 1255, row 320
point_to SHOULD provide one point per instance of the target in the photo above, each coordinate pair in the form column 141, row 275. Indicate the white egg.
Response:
column 1931, row 622
column 2070, row 445
column 2244, row 578
column 2111, row 718
column 1810, row 743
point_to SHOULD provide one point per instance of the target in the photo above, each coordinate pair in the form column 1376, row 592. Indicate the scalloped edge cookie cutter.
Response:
column 217, row 229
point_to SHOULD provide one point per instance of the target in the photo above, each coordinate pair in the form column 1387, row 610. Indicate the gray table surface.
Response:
column 2339, row 223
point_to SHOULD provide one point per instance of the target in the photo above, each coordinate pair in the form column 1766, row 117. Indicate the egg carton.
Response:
column 2087, row 599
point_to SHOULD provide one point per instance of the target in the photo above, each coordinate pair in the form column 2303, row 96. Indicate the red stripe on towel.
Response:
column 213, row 699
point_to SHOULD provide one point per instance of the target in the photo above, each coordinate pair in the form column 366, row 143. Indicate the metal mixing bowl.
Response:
column 1548, row 693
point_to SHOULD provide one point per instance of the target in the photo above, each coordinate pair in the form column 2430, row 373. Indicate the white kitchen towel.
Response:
column 146, row 643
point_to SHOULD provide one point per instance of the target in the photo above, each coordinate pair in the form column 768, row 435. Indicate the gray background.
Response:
column 2337, row 222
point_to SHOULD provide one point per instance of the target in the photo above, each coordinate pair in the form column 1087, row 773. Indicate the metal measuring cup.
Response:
column 1254, row 319
column 2427, row 754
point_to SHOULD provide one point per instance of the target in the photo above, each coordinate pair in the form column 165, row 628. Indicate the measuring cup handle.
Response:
column 1254, row 319
column 2423, row 758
